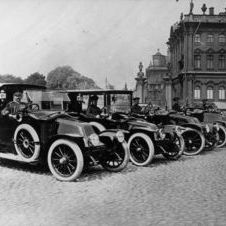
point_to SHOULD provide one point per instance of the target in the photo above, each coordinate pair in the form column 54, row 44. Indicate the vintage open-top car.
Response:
column 41, row 131
column 210, row 116
column 144, row 139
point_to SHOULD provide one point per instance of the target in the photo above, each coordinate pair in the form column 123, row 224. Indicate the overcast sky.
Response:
column 98, row 38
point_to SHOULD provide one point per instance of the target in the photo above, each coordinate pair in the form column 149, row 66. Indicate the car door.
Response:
column 7, row 127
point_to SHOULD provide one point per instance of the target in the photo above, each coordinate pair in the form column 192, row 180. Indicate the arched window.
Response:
column 209, row 61
column 197, row 59
column 221, row 38
column 197, row 93
column 222, row 61
column 209, row 93
column 221, row 93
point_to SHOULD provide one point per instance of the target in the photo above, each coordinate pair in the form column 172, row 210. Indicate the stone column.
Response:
column 168, row 91
column 140, row 84
column 190, row 89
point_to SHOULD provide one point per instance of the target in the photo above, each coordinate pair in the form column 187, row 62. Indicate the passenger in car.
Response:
column 136, row 108
column 14, row 106
column 93, row 109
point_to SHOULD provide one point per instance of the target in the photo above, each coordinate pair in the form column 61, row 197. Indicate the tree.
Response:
column 36, row 79
column 66, row 77
column 10, row 79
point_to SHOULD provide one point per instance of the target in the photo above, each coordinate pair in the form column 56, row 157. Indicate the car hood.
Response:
column 142, row 123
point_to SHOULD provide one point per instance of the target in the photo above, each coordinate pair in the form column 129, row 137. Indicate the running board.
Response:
column 14, row 157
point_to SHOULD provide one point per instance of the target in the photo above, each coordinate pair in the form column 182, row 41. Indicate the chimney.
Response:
column 211, row 11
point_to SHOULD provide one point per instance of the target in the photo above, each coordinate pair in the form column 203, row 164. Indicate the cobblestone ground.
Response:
column 191, row 191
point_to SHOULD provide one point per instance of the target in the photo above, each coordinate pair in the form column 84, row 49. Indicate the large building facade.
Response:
column 197, row 47
column 155, row 74
column 154, row 86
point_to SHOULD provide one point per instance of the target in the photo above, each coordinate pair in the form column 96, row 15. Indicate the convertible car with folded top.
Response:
column 108, row 109
column 40, row 131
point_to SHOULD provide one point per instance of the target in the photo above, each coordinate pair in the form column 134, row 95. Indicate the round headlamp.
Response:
column 120, row 136
column 94, row 139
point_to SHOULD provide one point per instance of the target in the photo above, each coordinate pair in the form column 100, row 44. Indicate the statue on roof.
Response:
column 140, row 66
column 191, row 7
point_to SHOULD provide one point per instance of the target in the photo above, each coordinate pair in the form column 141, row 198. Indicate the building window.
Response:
column 197, row 60
column 222, row 62
column 197, row 93
column 197, row 38
column 221, row 93
column 210, row 38
column 221, row 38
column 209, row 61
column 209, row 93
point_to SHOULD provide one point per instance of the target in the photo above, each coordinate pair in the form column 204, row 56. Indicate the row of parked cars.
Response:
column 55, row 128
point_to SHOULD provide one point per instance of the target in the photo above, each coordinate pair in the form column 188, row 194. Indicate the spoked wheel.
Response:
column 194, row 142
column 141, row 149
column 175, row 149
column 222, row 136
column 26, row 142
column 65, row 160
column 117, row 159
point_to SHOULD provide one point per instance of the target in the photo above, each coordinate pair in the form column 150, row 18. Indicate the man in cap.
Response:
column 136, row 108
column 176, row 106
column 93, row 109
column 14, row 106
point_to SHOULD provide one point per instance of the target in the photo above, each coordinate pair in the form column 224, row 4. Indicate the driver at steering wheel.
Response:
column 13, row 107
column 93, row 109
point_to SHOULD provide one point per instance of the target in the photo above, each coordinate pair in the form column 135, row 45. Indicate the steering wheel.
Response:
column 32, row 107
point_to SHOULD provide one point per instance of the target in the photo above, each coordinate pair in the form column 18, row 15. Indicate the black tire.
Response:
column 65, row 160
column 194, row 142
column 141, row 149
column 222, row 137
column 117, row 159
column 26, row 143
column 178, row 148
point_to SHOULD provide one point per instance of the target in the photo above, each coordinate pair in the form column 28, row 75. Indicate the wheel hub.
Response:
column 63, row 160
column 26, row 143
column 139, row 149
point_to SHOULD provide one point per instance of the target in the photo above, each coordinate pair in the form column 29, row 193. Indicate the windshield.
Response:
column 47, row 100
column 120, row 103
column 106, row 102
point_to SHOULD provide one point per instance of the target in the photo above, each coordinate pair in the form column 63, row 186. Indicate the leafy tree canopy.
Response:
column 10, row 79
column 66, row 77
column 36, row 79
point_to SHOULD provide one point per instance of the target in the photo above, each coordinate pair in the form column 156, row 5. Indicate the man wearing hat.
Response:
column 14, row 106
column 93, row 109
column 136, row 108
column 176, row 106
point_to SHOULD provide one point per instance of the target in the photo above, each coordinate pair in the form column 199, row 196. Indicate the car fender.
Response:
column 108, row 137
column 98, row 126
column 221, row 122
column 77, row 139
column 193, row 126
